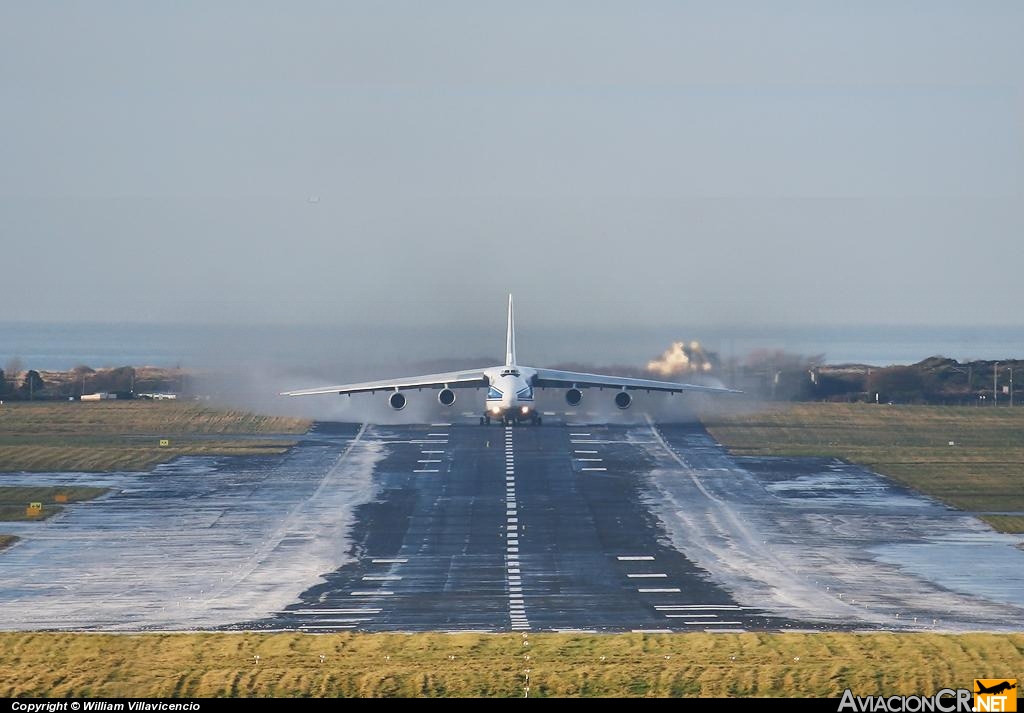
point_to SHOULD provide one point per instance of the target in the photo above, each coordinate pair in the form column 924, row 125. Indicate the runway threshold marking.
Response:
column 700, row 607
column 326, row 627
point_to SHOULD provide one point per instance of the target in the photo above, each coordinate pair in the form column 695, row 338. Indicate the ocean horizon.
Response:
column 61, row 346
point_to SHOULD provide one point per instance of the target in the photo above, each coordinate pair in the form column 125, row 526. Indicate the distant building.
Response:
column 101, row 396
column 157, row 397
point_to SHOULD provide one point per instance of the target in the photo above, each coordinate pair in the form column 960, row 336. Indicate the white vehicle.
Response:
column 510, row 387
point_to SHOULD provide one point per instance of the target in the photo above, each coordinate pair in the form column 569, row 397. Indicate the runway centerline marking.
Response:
column 635, row 558
column 661, row 590
column 317, row 612
column 518, row 620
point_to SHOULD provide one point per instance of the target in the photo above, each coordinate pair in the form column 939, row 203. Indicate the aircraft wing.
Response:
column 555, row 378
column 450, row 380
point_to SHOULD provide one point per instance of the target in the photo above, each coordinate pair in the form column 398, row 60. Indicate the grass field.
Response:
column 15, row 499
column 126, row 435
column 982, row 472
column 803, row 665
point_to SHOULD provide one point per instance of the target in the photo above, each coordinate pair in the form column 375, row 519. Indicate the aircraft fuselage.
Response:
column 510, row 395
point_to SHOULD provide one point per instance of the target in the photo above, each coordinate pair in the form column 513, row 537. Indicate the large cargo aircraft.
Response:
column 510, row 387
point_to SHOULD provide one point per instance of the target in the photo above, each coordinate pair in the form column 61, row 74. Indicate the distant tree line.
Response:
column 29, row 386
column 936, row 380
column 21, row 385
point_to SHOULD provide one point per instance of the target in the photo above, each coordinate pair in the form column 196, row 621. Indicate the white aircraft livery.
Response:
column 510, row 387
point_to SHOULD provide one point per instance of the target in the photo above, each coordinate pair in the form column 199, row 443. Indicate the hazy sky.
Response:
column 655, row 163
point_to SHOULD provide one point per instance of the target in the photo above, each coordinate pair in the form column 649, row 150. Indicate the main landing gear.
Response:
column 535, row 419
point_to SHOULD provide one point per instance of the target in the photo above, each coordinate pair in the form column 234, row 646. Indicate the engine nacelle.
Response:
column 573, row 396
column 623, row 399
column 397, row 401
column 446, row 397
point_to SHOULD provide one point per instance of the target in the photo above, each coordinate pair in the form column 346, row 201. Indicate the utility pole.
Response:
column 995, row 385
column 1011, row 387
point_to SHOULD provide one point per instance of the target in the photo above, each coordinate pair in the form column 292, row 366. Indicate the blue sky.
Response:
column 653, row 163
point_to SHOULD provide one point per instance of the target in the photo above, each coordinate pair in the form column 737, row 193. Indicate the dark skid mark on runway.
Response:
column 440, row 544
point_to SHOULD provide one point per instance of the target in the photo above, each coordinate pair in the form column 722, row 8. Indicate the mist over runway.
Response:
column 462, row 527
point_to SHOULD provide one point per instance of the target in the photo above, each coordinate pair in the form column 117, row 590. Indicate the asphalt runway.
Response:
column 514, row 528
column 457, row 527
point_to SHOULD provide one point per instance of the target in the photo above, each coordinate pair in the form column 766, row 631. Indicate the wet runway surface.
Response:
column 462, row 527
column 497, row 528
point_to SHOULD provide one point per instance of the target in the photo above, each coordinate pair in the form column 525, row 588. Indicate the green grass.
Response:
column 1006, row 523
column 983, row 471
column 125, row 435
column 436, row 665
column 15, row 499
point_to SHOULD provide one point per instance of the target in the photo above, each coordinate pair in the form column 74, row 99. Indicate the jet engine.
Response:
column 623, row 399
column 573, row 396
column 446, row 397
column 397, row 401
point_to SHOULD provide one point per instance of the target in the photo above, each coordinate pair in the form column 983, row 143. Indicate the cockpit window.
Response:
column 493, row 393
column 510, row 372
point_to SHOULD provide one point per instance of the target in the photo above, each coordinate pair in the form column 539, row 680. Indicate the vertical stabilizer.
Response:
column 510, row 339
